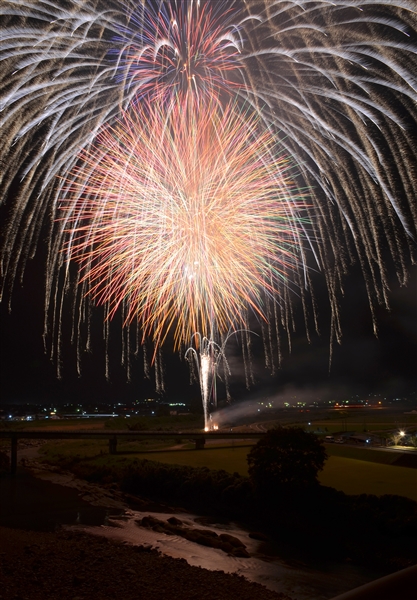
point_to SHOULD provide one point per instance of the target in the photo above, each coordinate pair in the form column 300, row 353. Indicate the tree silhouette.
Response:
column 286, row 458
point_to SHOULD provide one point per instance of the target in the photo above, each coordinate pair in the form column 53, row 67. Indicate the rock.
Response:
column 174, row 521
column 231, row 539
column 240, row 553
column 149, row 522
column 257, row 535
column 191, row 535
column 206, row 532
column 161, row 529
column 226, row 547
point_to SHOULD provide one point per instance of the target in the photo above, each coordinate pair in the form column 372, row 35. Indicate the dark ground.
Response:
column 75, row 566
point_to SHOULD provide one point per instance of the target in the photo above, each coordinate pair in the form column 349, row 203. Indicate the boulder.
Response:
column 174, row 521
column 231, row 539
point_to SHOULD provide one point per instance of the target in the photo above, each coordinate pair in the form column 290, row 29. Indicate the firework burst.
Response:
column 332, row 82
column 185, row 220
column 185, row 53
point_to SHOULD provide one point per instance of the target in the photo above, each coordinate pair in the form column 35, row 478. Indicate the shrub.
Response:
column 287, row 459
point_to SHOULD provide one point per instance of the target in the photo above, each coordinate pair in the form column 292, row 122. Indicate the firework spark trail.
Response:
column 207, row 355
column 186, row 220
column 335, row 83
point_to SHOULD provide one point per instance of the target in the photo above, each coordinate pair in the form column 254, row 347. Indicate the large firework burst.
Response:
column 188, row 221
column 333, row 82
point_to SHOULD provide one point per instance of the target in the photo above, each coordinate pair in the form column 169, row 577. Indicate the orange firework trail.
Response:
column 188, row 220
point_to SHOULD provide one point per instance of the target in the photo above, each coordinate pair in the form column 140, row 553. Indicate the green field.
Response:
column 349, row 469
column 350, row 475
column 231, row 459
column 354, row 476
column 364, row 454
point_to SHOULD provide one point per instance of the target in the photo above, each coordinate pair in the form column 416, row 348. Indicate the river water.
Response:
column 29, row 502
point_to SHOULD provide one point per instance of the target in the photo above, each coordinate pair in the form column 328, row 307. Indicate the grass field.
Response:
column 231, row 459
column 354, row 476
column 364, row 454
column 348, row 469
column 348, row 475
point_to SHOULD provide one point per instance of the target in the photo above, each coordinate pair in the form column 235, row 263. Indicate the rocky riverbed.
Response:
column 68, row 565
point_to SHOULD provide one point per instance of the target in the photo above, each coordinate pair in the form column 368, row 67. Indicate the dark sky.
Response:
column 363, row 364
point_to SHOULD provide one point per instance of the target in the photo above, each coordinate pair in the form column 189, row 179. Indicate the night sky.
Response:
column 362, row 364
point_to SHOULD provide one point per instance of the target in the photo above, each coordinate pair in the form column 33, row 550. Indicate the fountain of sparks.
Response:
column 207, row 356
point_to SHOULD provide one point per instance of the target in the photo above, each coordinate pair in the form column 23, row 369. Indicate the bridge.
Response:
column 199, row 438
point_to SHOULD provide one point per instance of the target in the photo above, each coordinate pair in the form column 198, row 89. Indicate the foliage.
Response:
column 197, row 488
column 390, row 514
column 202, row 487
column 286, row 457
